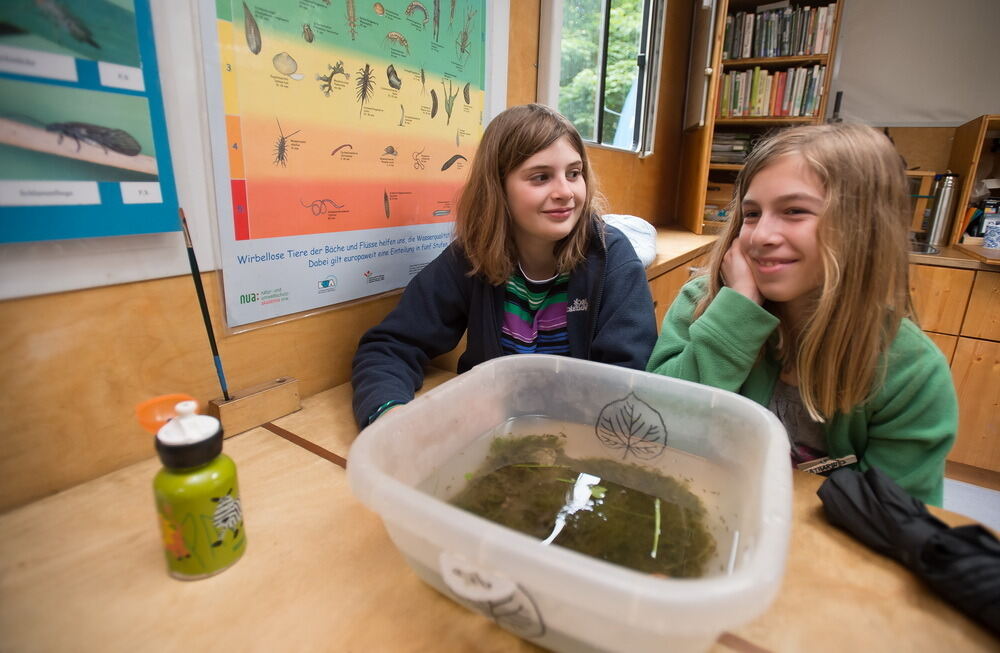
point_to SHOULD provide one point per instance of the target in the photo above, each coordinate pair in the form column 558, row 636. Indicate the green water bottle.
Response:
column 197, row 496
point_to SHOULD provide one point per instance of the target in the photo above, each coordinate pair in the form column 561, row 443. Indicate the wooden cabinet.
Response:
column 940, row 296
column 697, row 167
column 960, row 311
column 976, row 370
column 982, row 320
column 971, row 140
column 666, row 286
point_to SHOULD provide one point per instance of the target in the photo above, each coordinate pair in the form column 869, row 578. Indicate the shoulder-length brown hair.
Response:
column 483, row 223
column 863, row 242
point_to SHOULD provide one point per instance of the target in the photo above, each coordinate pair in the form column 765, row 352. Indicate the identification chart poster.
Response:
column 83, row 139
column 349, row 130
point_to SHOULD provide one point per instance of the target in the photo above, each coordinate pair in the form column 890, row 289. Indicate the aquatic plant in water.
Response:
column 621, row 513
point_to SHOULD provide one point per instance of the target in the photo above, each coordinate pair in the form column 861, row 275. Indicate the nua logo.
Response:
column 371, row 277
column 249, row 298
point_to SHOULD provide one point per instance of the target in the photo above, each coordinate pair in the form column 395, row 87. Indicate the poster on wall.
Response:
column 83, row 140
column 343, row 132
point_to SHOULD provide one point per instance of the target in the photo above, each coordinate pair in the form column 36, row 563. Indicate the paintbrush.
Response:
column 196, row 275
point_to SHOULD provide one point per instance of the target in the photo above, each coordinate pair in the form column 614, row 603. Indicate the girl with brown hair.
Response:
column 532, row 269
column 806, row 309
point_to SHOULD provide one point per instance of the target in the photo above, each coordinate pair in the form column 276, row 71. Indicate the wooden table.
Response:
column 83, row 570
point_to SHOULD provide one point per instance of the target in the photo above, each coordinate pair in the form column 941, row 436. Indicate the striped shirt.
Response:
column 534, row 319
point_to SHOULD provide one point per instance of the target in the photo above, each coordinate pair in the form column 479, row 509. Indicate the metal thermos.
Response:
column 939, row 223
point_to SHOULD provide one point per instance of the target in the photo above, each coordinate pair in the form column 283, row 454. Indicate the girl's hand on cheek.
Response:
column 737, row 275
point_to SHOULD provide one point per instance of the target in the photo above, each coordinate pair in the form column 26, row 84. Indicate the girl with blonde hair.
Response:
column 805, row 309
column 532, row 269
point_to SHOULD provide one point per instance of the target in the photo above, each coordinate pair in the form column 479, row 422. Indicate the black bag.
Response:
column 961, row 564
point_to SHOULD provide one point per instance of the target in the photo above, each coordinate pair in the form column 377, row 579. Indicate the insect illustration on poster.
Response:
column 281, row 146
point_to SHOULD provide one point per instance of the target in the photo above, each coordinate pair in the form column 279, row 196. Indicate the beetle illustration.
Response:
column 108, row 138
column 228, row 516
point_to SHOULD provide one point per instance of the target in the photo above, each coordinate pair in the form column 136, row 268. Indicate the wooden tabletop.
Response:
column 84, row 570
column 677, row 246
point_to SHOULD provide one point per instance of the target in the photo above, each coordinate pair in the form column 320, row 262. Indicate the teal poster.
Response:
column 83, row 139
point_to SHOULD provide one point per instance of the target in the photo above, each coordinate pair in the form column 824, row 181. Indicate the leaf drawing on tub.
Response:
column 517, row 613
column 634, row 426
column 108, row 138
column 251, row 30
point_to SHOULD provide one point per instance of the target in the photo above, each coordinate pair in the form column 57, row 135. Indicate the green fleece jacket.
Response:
column 906, row 427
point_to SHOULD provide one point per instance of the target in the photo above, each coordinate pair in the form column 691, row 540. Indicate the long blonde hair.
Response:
column 863, row 243
column 483, row 223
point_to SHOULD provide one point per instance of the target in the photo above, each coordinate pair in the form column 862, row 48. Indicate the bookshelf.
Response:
column 772, row 64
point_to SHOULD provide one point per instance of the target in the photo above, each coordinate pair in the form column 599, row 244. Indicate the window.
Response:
column 598, row 65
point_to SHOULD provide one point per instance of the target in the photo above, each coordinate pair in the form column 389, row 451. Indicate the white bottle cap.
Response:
column 187, row 427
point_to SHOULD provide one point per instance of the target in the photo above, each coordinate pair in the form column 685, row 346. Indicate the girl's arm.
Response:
column 720, row 347
column 626, row 325
column 913, row 418
column 428, row 321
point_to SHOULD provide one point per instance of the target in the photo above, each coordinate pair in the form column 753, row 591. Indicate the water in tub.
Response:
column 673, row 516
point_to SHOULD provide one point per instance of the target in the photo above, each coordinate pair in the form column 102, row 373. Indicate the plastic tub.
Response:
column 555, row 597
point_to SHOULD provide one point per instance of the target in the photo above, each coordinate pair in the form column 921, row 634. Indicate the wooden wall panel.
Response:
column 976, row 370
column 522, row 56
column 75, row 364
column 926, row 148
column 940, row 296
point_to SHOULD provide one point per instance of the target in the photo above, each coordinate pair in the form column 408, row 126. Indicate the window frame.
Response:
column 648, row 60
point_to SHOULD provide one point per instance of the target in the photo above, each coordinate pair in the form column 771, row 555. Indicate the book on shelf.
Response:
column 761, row 93
column 778, row 30
column 770, row 6
column 748, row 20
column 730, row 147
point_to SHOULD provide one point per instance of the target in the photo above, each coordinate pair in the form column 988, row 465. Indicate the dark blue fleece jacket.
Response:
column 609, row 314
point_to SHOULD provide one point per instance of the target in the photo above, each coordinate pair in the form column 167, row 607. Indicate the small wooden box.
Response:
column 256, row 405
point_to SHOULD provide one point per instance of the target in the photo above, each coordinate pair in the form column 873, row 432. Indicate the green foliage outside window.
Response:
column 580, row 70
